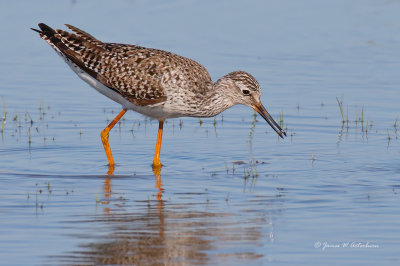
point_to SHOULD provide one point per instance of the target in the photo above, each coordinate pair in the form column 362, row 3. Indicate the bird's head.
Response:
column 247, row 91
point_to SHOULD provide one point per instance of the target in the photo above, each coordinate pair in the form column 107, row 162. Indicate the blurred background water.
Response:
column 230, row 192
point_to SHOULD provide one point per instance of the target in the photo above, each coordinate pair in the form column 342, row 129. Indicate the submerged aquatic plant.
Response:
column 340, row 103
column 281, row 119
column 251, row 171
column 3, row 123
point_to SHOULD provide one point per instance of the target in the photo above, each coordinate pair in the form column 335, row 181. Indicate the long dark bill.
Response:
column 263, row 112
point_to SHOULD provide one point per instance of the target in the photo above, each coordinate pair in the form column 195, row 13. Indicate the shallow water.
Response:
column 230, row 192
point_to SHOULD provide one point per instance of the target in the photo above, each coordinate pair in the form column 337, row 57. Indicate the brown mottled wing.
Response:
column 114, row 65
column 137, row 73
column 155, row 66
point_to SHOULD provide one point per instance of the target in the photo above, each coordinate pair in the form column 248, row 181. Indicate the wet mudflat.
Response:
column 230, row 191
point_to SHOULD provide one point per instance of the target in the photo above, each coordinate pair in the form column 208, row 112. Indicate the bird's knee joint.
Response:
column 104, row 135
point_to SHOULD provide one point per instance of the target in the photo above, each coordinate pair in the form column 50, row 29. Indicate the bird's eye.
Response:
column 246, row 92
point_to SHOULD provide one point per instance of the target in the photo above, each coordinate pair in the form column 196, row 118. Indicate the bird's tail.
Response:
column 79, row 47
column 49, row 35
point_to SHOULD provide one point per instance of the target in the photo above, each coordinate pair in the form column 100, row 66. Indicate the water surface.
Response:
column 230, row 192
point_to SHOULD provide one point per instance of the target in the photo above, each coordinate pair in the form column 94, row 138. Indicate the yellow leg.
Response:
column 156, row 161
column 111, row 169
column 104, row 137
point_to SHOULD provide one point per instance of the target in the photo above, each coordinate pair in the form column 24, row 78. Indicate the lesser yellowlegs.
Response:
column 152, row 82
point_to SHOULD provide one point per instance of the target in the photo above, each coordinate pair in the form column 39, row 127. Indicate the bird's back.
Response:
column 141, row 75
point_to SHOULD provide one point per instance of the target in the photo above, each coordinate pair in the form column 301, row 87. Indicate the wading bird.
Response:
column 152, row 82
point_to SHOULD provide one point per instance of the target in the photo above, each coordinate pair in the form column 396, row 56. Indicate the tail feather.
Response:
column 48, row 31
column 82, row 52
column 86, row 37
column 83, row 34
column 36, row 30
column 44, row 29
column 49, row 35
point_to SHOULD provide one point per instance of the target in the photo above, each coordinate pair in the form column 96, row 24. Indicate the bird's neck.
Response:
column 219, row 97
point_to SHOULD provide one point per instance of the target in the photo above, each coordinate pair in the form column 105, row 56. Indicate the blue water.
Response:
column 230, row 191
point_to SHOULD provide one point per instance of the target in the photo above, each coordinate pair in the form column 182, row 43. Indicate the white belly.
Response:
column 98, row 85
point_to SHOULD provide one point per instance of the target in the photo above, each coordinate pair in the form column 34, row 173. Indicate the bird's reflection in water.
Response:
column 157, row 174
column 107, row 186
column 164, row 233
